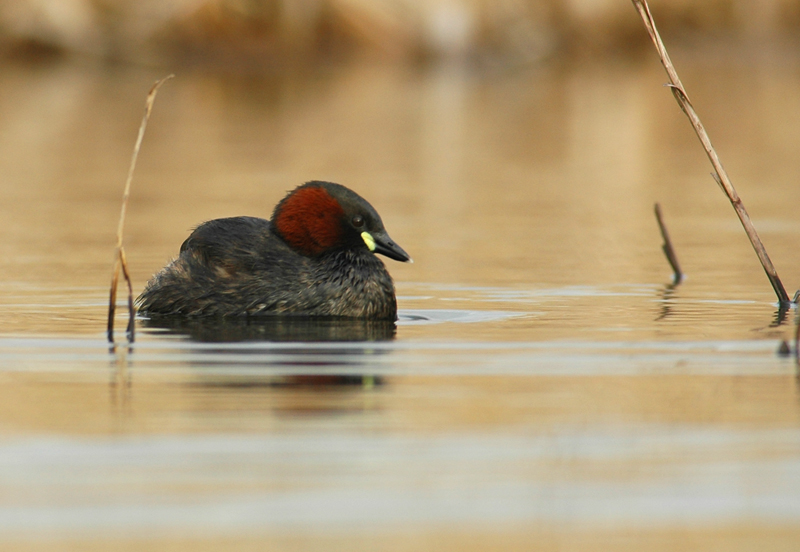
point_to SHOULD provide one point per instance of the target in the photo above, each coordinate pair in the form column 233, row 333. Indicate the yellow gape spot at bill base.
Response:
column 369, row 240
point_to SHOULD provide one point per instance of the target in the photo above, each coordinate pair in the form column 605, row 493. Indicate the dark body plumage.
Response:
column 311, row 259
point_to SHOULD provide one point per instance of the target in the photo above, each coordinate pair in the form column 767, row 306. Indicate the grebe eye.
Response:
column 358, row 221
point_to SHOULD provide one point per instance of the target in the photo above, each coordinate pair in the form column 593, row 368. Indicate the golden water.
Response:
column 546, row 388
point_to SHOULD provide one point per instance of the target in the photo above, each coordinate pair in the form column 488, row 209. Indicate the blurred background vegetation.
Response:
column 269, row 34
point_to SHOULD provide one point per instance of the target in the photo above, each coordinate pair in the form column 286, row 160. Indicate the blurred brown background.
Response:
column 269, row 33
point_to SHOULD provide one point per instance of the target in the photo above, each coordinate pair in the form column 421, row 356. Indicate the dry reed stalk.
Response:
column 719, row 175
column 669, row 251
column 120, row 261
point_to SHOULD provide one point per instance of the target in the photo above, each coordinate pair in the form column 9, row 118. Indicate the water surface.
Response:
column 546, row 386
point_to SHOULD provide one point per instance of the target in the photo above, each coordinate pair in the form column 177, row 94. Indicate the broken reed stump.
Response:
column 669, row 251
column 719, row 174
column 120, row 262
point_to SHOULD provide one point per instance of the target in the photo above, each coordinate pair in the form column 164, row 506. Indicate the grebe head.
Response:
column 318, row 217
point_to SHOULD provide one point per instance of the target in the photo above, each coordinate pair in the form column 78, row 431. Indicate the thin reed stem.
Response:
column 719, row 172
column 120, row 261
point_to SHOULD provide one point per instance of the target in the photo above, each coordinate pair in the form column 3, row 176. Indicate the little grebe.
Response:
column 314, row 258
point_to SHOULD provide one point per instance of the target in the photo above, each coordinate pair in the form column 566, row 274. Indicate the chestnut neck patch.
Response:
column 310, row 220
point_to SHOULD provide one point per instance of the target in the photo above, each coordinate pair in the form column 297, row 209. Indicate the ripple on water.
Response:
column 439, row 316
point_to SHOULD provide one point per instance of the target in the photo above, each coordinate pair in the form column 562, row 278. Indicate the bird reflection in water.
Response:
column 294, row 349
